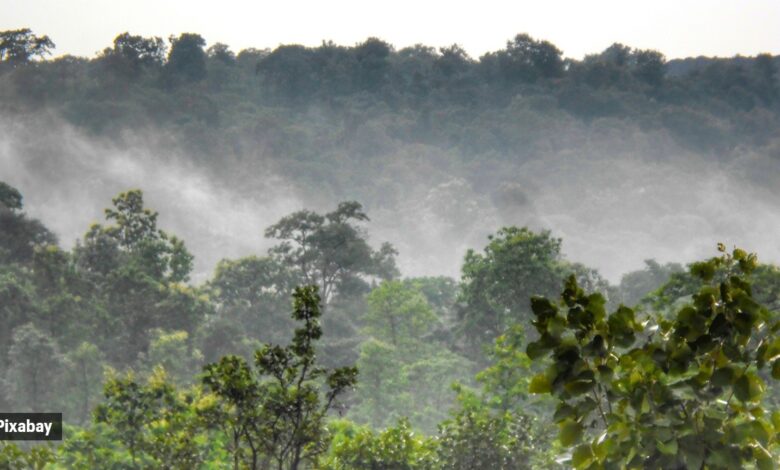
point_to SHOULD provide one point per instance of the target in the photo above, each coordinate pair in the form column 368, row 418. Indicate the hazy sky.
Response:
column 676, row 28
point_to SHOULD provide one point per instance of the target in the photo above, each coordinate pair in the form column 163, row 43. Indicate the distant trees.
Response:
column 20, row 46
column 634, row 286
column 525, row 60
column 34, row 369
column 251, row 297
column 19, row 234
column 130, row 54
column 187, row 59
column 398, row 313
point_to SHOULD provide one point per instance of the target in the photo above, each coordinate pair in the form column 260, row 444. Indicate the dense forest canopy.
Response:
column 369, row 258
column 441, row 147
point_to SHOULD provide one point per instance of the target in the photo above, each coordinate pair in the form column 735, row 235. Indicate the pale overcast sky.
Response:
column 676, row 28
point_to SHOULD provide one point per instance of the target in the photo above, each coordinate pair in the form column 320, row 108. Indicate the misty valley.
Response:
column 363, row 257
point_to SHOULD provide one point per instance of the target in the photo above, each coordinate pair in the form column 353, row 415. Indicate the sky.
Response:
column 681, row 28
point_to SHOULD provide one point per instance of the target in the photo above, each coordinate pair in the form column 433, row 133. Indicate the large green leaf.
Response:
column 570, row 432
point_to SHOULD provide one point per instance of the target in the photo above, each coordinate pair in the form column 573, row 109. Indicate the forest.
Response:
column 414, row 304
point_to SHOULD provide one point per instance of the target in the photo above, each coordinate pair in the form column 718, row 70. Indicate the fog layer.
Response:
column 622, row 197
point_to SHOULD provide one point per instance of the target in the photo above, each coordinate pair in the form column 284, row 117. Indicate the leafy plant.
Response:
column 652, row 392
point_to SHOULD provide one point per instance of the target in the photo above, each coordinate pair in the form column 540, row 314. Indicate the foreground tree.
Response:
column 277, row 416
column 153, row 421
column 678, row 392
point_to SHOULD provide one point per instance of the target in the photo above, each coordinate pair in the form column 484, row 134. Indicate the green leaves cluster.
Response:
column 656, row 392
column 277, row 414
column 154, row 422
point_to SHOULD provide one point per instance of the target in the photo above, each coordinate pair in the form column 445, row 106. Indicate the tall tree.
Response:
column 331, row 251
column 138, row 270
column 279, row 414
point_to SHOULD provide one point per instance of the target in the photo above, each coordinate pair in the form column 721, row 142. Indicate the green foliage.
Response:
column 161, row 256
column 398, row 313
column 19, row 235
column 251, row 296
column 634, row 286
column 394, row 448
column 138, row 271
column 683, row 392
column 36, row 458
column 187, row 59
column 477, row 438
column 153, row 421
column 505, row 382
column 278, row 415
column 329, row 250
column 412, row 381
column 131, row 55
column 84, row 370
column 173, row 351
column 10, row 197
column 20, row 46
column 516, row 264
column 34, row 370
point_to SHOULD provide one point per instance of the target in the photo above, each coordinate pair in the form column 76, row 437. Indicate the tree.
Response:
column 222, row 53
column 637, row 284
column 649, row 66
column 398, row 313
column 173, row 352
column 34, row 370
column 395, row 448
column 329, row 250
column 10, row 197
column 20, row 46
column 131, row 54
column 138, row 271
column 682, row 392
column 254, row 294
column 19, row 235
column 84, row 367
column 497, row 426
column 152, row 420
column 526, row 59
column 516, row 264
column 372, row 63
column 475, row 438
column 279, row 415
column 289, row 72
column 187, row 59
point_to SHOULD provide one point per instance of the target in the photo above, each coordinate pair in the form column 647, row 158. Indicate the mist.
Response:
column 68, row 179
column 614, row 201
